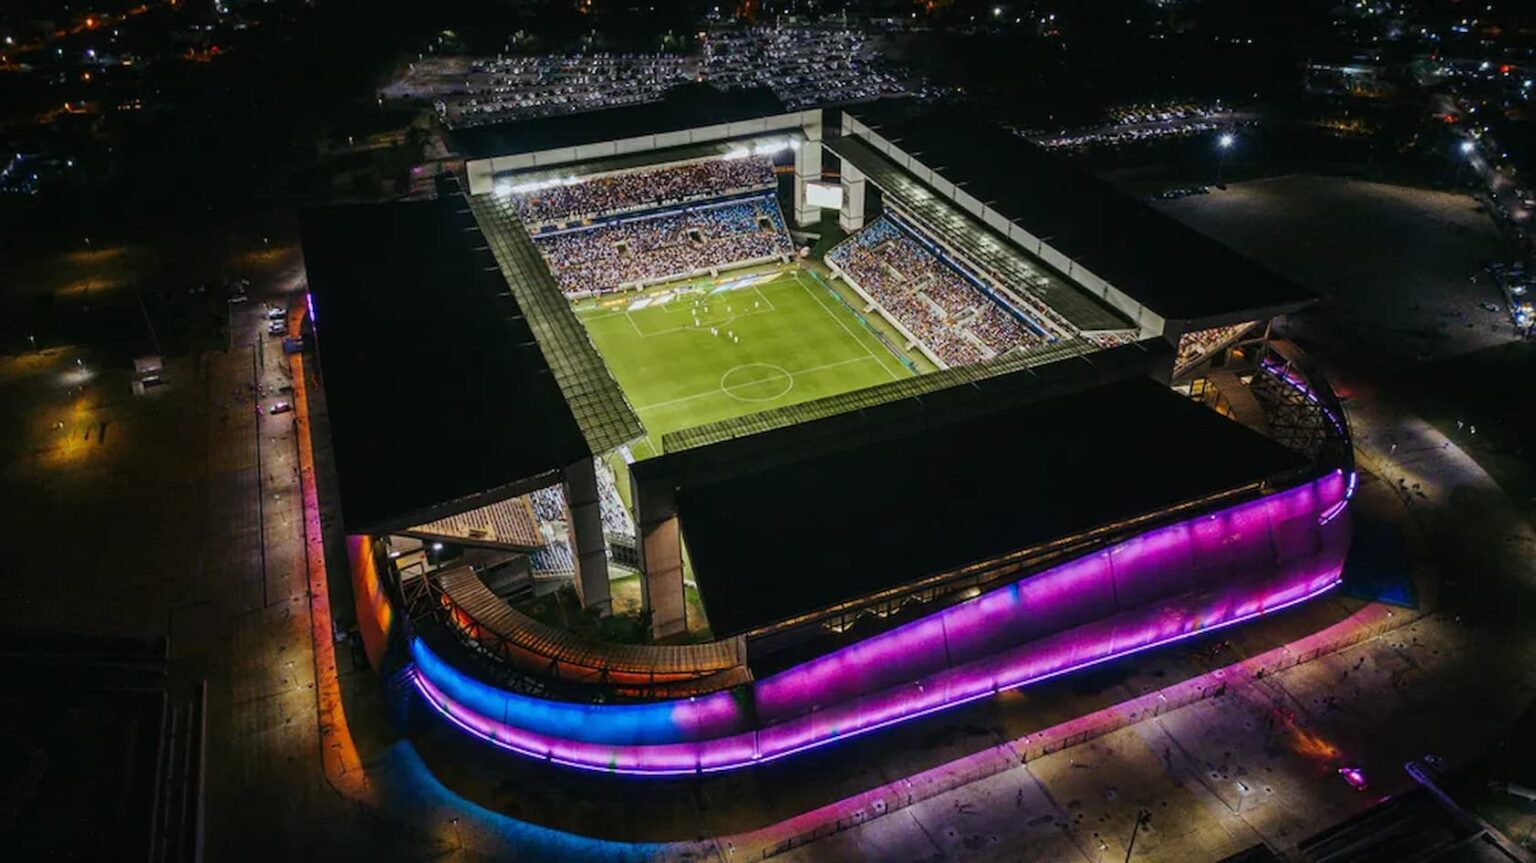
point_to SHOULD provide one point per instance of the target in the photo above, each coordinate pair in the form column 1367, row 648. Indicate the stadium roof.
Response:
column 630, row 161
column 1176, row 271
column 919, row 387
column 978, row 242
column 593, row 396
column 438, row 395
column 800, row 536
column 685, row 107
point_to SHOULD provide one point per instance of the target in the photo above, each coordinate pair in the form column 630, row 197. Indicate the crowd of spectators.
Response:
column 616, row 518
column 949, row 314
column 1111, row 338
column 548, row 504
column 553, row 559
column 1196, row 345
column 653, row 248
column 643, row 189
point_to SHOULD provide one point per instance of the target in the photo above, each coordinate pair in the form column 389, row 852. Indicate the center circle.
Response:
column 756, row 382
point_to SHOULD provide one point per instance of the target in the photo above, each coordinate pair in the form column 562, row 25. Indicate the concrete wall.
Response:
column 482, row 173
column 661, row 557
column 588, row 546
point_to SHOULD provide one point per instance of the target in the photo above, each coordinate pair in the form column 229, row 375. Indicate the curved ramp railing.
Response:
column 492, row 625
column 1213, row 570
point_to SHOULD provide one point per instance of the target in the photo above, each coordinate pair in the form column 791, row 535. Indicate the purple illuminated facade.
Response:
column 1176, row 581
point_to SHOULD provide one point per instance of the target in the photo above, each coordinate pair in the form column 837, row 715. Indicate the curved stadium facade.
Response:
column 1083, row 446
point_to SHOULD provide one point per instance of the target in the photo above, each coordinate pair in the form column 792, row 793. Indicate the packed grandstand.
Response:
column 656, row 247
column 605, row 232
column 944, row 307
column 572, row 198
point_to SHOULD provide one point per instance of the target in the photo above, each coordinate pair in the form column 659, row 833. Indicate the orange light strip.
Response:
column 343, row 765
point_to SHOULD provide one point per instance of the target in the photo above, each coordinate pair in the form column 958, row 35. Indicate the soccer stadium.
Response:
column 688, row 436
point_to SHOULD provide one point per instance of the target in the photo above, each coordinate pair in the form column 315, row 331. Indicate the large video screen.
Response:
column 828, row 196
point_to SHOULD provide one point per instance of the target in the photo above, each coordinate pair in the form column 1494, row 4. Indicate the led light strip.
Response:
column 458, row 714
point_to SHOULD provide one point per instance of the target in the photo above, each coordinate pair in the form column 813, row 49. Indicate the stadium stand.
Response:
column 548, row 503
column 647, row 189
column 482, row 616
column 554, row 558
column 508, row 522
column 657, row 247
column 959, row 323
column 1197, row 345
column 616, row 519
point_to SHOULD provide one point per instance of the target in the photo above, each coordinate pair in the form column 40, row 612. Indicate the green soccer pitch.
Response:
column 704, row 350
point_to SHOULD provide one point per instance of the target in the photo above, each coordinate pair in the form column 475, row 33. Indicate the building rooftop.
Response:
column 1175, row 271
column 439, row 396
column 802, row 535
column 686, row 107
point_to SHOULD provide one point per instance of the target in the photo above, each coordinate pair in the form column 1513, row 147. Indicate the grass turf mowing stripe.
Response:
column 690, row 353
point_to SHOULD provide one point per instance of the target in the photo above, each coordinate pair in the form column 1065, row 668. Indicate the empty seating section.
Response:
column 508, row 522
column 960, row 323
column 650, row 248
column 644, row 189
column 541, row 649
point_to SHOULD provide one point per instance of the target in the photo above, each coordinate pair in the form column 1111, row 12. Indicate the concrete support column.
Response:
column 588, row 546
column 852, row 215
column 661, row 559
column 807, row 169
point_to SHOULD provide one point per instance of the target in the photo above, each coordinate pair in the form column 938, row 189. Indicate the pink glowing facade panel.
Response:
column 1173, row 582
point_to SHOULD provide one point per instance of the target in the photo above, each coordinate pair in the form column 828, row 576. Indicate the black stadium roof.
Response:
column 1176, row 271
column 843, row 524
column 438, row 396
column 685, row 107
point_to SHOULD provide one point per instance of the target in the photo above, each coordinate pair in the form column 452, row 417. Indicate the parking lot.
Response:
column 1393, row 264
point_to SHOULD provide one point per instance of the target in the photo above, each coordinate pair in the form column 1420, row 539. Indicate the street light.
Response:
column 1223, row 144
column 1467, row 147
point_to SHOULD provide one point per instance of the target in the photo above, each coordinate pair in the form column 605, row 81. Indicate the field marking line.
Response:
column 698, row 329
column 726, row 388
column 718, row 391
column 850, row 332
column 758, row 289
